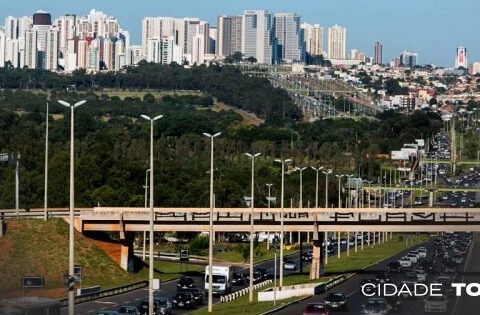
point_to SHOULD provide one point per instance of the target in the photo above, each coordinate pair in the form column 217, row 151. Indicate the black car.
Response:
column 186, row 283
column 238, row 279
column 264, row 272
column 183, row 300
column 394, row 266
column 336, row 301
column 197, row 296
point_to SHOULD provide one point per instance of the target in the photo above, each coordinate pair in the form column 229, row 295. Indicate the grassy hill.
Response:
column 37, row 248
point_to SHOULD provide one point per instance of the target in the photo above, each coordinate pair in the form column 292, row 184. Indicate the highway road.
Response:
column 169, row 289
column 351, row 288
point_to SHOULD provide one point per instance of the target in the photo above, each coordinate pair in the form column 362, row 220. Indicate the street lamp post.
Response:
column 282, row 195
column 268, row 201
column 71, row 253
column 210, row 243
column 300, row 203
column 146, row 205
column 152, row 218
column 339, row 190
column 326, row 186
column 45, row 201
column 252, row 157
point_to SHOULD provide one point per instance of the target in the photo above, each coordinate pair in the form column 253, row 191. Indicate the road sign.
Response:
column 78, row 273
column 156, row 284
column 33, row 282
column 184, row 255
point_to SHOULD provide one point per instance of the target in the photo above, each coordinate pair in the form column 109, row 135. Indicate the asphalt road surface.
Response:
column 414, row 306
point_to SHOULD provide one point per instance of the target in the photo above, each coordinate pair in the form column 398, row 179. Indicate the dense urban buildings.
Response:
column 96, row 42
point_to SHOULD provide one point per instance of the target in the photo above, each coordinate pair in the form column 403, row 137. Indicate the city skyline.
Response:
column 395, row 33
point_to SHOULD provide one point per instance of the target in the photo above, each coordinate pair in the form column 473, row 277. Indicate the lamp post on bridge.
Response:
column 210, row 243
column 252, row 157
column 152, row 217
column 71, row 253
column 282, row 195
column 339, row 176
column 328, row 172
column 146, row 205
column 268, row 201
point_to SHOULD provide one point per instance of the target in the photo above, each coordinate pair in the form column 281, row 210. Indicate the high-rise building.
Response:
column 289, row 38
column 11, row 27
column 313, row 37
column 408, row 59
column 377, row 53
column 229, row 35
column 257, row 36
column 134, row 55
column 461, row 58
column 120, row 57
column 337, row 42
column 108, row 55
column 82, row 47
column 31, row 49
column 51, row 53
column 212, row 46
column 93, row 56
column 154, row 50
column 42, row 21
column 2, row 48
column 66, row 31
column 11, row 52
column 183, row 30
column 170, row 52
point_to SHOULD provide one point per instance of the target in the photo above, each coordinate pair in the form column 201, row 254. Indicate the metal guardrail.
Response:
column 105, row 293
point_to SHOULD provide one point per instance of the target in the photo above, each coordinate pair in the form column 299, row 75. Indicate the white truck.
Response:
column 221, row 279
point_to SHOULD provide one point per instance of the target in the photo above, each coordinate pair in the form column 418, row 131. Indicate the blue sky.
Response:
column 433, row 28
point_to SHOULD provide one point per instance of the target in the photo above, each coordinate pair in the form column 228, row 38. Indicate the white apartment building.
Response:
column 229, row 36
column 337, row 39
column 313, row 37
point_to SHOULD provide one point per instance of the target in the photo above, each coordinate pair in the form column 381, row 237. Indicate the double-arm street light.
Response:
column 210, row 243
column 252, row 157
column 146, row 205
column 152, row 218
column 328, row 172
column 45, row 196
column 282, row 195
column 71, row 253
column 317, row 171
column 339, row 176
column 301, row 169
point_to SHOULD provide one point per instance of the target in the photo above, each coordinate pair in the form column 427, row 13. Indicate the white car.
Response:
column 289, row 265
column 421, row 275
column 422, row 251
column 413, row 258
column 405, row 262
column 436, row 304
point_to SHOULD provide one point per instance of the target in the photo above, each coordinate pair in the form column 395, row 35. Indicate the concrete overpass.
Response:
column 124, row 220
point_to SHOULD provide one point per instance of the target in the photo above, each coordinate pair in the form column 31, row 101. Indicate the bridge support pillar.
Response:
column 126, row 252
column 1, row 227
column 430, row 198
column 317, row 268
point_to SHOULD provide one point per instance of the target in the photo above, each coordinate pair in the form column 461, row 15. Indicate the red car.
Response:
column 316, row 309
